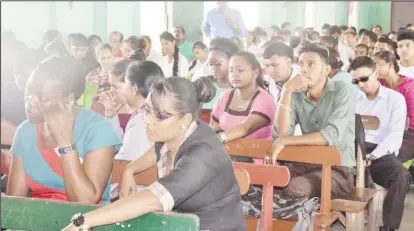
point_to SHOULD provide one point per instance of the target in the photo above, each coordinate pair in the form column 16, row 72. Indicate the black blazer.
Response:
column 202, row 182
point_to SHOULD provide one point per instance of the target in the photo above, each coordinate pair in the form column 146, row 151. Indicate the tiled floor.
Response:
column 408, row 219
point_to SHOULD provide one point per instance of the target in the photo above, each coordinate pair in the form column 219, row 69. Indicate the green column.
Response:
column 189, row 15
column 373, row 13
column 53, row 19
column 341, row 13
column 100, row 19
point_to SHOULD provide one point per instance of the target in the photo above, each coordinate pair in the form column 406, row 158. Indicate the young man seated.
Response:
column 325, row 111
column 279, row 67
column 383, row 144
column 406, row 52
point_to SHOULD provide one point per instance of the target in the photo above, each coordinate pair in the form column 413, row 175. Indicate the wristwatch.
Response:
column 78, row 220
column 370, row 157
column 65, row 149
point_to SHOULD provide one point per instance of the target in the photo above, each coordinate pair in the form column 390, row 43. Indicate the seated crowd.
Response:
column 78, row 111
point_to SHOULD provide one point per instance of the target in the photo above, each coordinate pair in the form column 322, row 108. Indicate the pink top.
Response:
column 406, row 88
column 262, row 104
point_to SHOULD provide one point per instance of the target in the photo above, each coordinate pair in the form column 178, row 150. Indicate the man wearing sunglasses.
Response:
column 383, row 144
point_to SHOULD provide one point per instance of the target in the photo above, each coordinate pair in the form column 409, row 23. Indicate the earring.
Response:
column 182, row 126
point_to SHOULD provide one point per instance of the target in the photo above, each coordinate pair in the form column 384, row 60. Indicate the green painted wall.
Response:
column 341, row 13
column 190, row 16
column 372, row 13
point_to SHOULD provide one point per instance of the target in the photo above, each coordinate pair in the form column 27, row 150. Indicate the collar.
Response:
column 193, row 126
column 381, row 93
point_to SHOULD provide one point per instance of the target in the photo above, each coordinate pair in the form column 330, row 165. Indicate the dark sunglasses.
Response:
column 363, row 79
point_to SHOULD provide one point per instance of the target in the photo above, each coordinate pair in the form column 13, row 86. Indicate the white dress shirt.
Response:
column 200, row 70
column 390, row 108
column 406, row 71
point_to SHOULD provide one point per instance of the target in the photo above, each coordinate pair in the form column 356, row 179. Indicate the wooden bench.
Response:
column 33, row 214
column 323, row 155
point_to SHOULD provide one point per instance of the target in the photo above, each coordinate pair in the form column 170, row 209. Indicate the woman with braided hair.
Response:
column 175, row 64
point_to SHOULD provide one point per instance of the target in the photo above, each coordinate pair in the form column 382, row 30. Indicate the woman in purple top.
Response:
column 388, row 74
column 248, row 109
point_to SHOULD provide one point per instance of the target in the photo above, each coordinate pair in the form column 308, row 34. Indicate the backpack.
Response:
column 304, row 208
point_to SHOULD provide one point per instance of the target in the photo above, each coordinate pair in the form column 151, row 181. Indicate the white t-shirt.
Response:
column 201, row 69
column 167, row 67
column 345, row 54
column 406, row 71
column 155, row 57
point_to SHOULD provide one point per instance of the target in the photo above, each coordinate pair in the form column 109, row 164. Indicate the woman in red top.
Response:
column 388, row 68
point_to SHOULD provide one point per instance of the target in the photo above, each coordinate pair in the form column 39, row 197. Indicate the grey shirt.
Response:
column 333, row 116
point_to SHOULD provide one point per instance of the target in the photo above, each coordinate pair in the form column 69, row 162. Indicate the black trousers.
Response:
column 388, row 172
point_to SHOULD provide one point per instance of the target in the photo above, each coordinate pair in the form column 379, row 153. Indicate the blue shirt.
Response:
column 215, row 24
column 91, row 131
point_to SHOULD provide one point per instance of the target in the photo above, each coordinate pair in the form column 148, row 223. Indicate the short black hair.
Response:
column 258, row 31
column 117, row 32
column 325, row 26
column 119, row 69
column 379, row 27
column 405, row 35
column 361, row 31
column 66, row 70
column 322, row 51
column 331, row 40
column 351, row 32
column 285, row 24
column 93, row 37
column 181, row 28
column 79, row 40
column 334, row 30
column 294, row 41
column 224, row 45
column 353, row 29
column 409, row 24
column 362, row 61
column 371, row 35
column 278, row 49
column 276, row 28
column 344, row 27
column 56, row 46
column 363, row 46
column 143, row 74
column 388, row 41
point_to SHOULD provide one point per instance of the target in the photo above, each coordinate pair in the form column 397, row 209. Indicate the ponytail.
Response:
column 176, row 60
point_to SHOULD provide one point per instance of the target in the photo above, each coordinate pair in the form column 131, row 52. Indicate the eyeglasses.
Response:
column 159, row 118
column 362, row 79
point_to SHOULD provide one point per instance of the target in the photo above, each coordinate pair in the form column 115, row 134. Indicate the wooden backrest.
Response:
column 369, row 123
column 29, row 214
column 150, row 175
column 146, row 177
column 323, row 155
column 243, row 178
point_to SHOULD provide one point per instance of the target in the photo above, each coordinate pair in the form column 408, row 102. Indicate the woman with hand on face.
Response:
column 195, row 173
column 133, row 89
column 97, row 81
column 55, row 152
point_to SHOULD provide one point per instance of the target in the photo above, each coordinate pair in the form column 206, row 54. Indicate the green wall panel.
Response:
column 371, row 13
column 189, row 15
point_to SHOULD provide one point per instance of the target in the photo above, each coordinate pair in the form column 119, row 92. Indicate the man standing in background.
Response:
column 185, row 46
column 224, row 22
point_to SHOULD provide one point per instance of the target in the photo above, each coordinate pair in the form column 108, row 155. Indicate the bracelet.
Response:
column 284, row 107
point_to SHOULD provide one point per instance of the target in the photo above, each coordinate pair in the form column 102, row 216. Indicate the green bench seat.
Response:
column 41, row 215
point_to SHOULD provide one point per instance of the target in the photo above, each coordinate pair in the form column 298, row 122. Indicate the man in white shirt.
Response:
column 279, row 68
column 406, row 52
column 383, row 144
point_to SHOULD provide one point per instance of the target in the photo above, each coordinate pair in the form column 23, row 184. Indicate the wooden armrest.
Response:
column 146, row 177
column 243, row 178
column 306, row 154
column 370, row 122
column 262, row 174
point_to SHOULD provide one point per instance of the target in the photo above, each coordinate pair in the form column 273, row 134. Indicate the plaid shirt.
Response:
column 101, row 81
